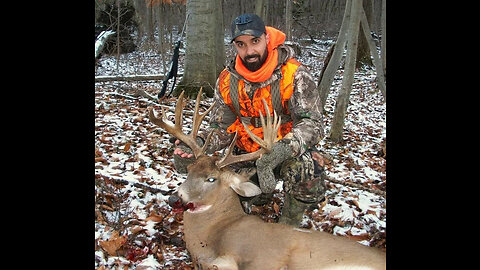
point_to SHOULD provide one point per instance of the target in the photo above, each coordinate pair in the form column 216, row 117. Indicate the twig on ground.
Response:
column 355, row 185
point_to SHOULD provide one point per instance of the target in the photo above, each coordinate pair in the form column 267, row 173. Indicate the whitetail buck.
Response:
column 220, row 235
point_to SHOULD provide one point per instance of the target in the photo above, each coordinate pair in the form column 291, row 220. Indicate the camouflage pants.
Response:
column 303, row 177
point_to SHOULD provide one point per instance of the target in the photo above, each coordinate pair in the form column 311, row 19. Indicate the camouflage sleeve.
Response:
column 306, row 111
column 221, row 117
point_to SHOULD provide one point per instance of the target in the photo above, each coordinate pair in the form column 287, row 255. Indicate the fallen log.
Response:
column 152, row 77
column 101, row 40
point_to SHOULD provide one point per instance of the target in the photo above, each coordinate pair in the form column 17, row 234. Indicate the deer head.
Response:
column 209, row 176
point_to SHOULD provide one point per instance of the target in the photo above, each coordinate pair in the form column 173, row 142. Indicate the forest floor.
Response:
column 134, row 174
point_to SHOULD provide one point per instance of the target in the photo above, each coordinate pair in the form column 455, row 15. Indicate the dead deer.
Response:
column 220, row 235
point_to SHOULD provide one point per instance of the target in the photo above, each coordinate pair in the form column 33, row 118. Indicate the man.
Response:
column 265, row 68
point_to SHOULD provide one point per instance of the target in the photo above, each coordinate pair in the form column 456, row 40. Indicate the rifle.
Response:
column 172, row 73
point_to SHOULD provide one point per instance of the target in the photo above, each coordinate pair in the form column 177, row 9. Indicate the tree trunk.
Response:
column 363, row 51
column 140, row 10
column 338, row 120
column 118, row 33
column 219, row 36
column 150, row 24
column 288, row 19
column 334, row 63
column 261, row 9
column 203, row 47
column 374, row 54
column 383, row 49
column 161, row 35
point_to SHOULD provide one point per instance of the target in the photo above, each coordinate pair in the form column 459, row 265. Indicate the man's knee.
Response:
column 303, row 178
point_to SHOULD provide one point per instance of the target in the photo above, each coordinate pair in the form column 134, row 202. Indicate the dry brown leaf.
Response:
column 357, row 204
column 127, row 147
column 136, row 229
column 106, row 207
column 101, row 159
column 113, row 244
column 335, row 212
column 276, row 208
column 372, row 212
column 154, row 217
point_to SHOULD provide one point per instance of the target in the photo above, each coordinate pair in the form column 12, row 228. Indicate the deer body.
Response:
column 220, row 235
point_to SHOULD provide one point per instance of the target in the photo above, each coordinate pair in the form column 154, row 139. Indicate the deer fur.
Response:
column 220, row 235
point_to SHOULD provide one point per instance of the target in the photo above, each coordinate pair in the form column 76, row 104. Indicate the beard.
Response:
column 254, row 66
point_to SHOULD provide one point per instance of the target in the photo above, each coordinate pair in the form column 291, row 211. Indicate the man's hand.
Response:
column 281, row 151
column 183, row 155
column 180, row 152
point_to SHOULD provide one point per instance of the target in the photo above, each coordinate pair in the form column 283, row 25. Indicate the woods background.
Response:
column 154, row 24
column 134, row 174
column 316, row 18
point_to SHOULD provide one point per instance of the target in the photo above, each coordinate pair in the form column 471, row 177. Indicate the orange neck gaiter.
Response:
column 276, row 37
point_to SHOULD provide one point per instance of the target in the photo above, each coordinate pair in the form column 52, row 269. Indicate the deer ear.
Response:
column 242, row 186
column 246, row 189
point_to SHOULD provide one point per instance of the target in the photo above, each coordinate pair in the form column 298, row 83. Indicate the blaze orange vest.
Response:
column 250, row 107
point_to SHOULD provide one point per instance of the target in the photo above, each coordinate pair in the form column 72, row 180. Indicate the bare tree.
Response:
column 204, row 51
column 343, row 97
column 384, row 37
column 373, row 52
column 334, row 63
column 261, row 9
column 288, row 19
column 363, row 51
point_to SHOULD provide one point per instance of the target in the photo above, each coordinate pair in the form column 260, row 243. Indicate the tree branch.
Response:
column 135, row 184
column 355, row 185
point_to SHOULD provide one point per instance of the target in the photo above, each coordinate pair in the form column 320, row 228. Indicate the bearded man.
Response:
column 265, row 68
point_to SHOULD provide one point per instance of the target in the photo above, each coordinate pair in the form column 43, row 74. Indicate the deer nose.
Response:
column 174, row 201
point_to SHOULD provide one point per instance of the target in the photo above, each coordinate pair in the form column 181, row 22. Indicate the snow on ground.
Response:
column 136, row 229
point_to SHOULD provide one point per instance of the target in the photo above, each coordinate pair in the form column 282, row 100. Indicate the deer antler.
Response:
column 270, row 131
column 176, row 130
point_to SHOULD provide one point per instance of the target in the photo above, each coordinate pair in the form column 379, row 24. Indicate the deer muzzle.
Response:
column 179, row 206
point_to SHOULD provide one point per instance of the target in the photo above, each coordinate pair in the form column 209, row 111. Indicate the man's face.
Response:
column 252, row 50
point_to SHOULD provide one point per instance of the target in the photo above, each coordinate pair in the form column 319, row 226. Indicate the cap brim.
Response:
column 249, row 32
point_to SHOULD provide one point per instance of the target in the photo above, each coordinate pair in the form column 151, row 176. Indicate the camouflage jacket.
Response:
column 304, row 106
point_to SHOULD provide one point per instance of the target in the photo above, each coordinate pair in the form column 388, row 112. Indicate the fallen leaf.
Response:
column 127, row 147
column 335, row 212
column 113, row 244
column 154, row 217
column 136, row 229
column 276, row 208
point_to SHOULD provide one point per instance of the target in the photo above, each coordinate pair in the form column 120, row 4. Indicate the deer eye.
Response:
column 211, row 179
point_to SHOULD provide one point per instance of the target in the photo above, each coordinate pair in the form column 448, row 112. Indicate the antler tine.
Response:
column 197, row 117
column 270, row 131
column 179, row 110
column 176, row 129
column 228, row 153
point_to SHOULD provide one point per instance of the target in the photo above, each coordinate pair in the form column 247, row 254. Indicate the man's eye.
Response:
column 211, row 180
column 255, row 41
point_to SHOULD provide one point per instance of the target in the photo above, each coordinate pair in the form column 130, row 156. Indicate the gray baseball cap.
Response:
column 247, row 24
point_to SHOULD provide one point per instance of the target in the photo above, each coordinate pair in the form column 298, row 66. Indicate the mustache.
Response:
column 252, row 56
